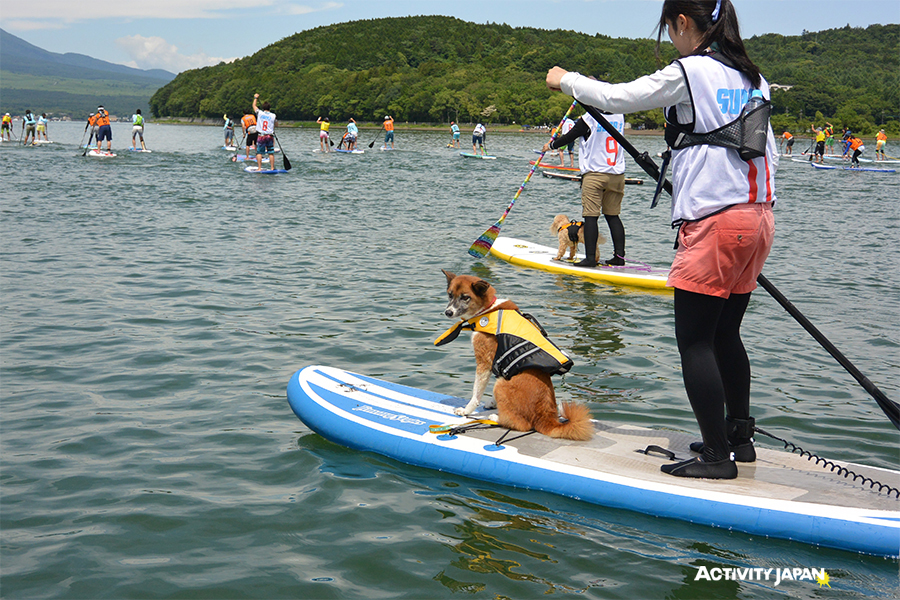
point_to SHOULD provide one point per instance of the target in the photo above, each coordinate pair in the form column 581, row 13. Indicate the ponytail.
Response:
column 718, row 24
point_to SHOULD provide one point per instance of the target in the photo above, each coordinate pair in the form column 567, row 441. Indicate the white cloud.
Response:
column 302, row 9
column 69, row 11
column 157, row 53
column 52, row 14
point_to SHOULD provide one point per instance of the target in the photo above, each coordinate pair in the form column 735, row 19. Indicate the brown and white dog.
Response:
column 560, row 227
column 525, row 401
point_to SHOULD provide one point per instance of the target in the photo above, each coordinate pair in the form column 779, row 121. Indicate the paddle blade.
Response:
column 482, row 246
column 372, row 143
column 287, row 163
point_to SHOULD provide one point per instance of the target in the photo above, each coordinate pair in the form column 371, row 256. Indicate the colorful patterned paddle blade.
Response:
column 481, row 246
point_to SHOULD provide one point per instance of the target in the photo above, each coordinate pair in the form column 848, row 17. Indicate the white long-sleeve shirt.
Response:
column 705, row 178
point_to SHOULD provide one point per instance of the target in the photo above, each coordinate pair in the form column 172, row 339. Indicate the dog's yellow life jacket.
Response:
column 521, row 343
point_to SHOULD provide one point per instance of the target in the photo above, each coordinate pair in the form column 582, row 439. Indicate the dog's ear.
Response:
column 481, row 288
column 450, row 276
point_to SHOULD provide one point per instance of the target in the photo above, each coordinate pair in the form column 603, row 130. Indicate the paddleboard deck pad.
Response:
column 781, row 495
column 259, row 171
column 536, row 256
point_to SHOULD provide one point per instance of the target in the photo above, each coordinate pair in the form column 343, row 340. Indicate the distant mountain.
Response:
column 18, row 56
column 70, row 84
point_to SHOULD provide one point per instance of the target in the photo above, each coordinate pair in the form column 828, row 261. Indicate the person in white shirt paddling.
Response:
column 265, row 129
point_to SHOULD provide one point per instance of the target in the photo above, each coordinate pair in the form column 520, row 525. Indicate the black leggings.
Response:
column 714, row 363
column 592, row 234
column 617, row 233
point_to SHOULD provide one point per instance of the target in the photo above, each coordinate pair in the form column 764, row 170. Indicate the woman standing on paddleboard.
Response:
column 722, row 205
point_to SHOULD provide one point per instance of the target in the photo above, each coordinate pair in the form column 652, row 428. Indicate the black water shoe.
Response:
column 744, row 453
column 615, row 261
column 587, row 262
column 697, row 468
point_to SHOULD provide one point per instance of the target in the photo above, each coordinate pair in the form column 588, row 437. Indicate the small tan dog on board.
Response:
column 515, row 348
column 570, row 234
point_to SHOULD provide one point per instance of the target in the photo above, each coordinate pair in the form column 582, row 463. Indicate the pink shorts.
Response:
column 723, row 254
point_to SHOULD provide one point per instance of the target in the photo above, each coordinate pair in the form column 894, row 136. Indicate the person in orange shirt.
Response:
column 388, row 127
column 858, row 148
column 789, row 138
column 92, row 123
column 104, row 131
column 880, row 141
column 248, row 124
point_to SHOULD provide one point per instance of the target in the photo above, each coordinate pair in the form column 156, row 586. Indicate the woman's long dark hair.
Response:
column 725, row 31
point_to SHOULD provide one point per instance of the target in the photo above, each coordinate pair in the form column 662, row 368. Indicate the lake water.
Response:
column 155, row 305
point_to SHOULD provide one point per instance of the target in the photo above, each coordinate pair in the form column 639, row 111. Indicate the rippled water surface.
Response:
column 155, row 305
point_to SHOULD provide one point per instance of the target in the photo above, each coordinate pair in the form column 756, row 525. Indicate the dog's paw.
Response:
column 493, row 417
column 461, row 411
column 489, row 403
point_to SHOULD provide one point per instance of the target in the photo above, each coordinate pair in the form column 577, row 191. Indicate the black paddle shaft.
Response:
column 891, row 409
column 287, row 163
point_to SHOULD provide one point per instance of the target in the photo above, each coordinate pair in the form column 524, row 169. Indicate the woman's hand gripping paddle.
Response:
column 481, row 246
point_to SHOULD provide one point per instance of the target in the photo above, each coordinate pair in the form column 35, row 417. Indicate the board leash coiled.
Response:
column 833, row 466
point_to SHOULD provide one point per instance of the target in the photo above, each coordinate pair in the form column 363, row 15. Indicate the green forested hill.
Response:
column 441, row 68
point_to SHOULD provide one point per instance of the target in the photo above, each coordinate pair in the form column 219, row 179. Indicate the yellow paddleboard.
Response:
column 535, row 256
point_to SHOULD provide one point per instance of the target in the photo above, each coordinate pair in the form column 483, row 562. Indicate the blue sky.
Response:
column 180, row 34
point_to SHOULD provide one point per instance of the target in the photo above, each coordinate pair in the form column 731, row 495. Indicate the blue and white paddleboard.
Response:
column 259, row 171
column 869, row 169
column 357, row 151
column 471, row 155
column 781, row 495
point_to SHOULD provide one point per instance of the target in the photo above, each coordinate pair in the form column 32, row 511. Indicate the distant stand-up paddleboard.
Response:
column 577, row 177
column 861, row 169
column 544, row 165
column 479, row 156
column 259, row 171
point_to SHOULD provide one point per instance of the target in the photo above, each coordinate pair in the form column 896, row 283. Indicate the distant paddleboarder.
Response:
column 229, row 131
column 137, row 129
column 29, row 124
column 388, row 127
column 454, row 130
column 104, row 131
column 42, row 127
column 324, row 142
column 265, row 128
column 7, row 127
